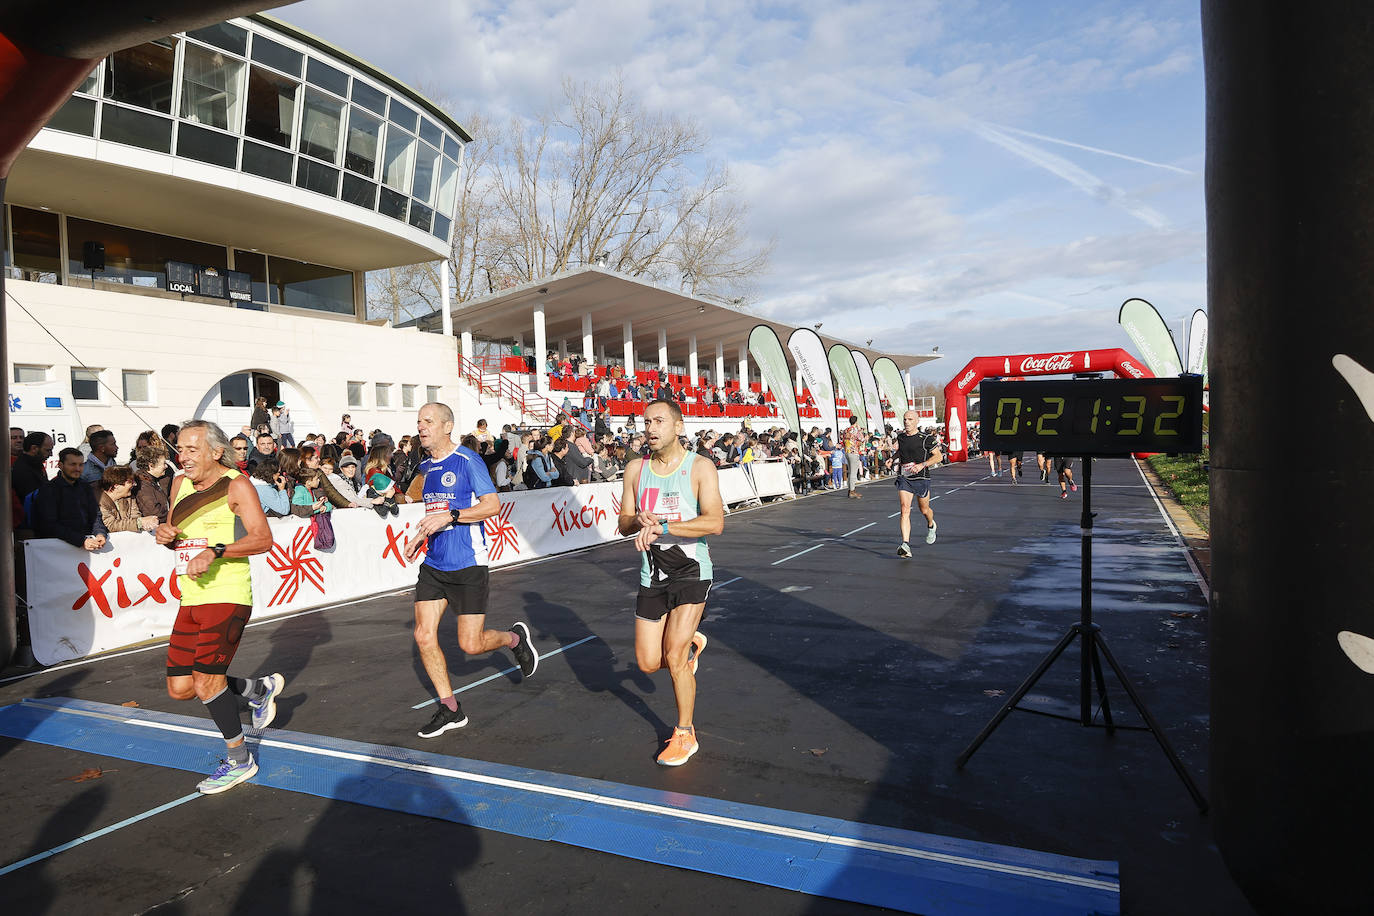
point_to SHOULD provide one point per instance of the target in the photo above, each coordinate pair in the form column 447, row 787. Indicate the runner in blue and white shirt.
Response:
column 458, row 496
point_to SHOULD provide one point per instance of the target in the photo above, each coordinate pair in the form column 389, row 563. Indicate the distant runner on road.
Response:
column 917, row 453
column 671, row 503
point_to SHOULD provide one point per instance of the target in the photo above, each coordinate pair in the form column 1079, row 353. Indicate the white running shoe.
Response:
column 930, row 535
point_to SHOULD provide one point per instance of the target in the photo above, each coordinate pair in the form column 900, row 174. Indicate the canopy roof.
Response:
column 611, row 299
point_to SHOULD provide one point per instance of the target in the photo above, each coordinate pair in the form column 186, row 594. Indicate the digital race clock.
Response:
column 1093, row 416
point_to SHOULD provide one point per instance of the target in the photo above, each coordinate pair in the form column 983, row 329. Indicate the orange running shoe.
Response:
column 699, row 641
column 680, row 748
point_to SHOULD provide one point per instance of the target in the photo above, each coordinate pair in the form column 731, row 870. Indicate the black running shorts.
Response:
column 917, row 486
column 465, row 590
column 658, row 599
column 1063, row 464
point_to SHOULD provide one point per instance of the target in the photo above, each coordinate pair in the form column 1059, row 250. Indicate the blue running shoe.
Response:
column 265, row 707
column 226, row 776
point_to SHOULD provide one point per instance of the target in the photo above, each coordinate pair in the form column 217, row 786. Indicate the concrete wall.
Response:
column 190, row 346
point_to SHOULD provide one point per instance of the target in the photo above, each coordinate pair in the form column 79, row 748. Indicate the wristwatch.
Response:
column 455, row 513
column 219, row 551
column 664, row 532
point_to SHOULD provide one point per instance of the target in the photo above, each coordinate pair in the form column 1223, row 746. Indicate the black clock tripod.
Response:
column 1090, row 667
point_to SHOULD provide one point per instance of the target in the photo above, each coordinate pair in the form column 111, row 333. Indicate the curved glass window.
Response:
column 223, row 35
column 142, row 75
column 271, row 107
column 326, row 77
column 430, row 132
column 399, row 159
column 320, row 124
column 448, row 187
column 373, row 100
column 211, row 88
column 422, row 189
column 266, row 51
column 400, row 114
column 364, row 135
column 310, row 286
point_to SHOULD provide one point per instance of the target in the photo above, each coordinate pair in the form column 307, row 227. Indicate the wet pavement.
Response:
column 840, row 681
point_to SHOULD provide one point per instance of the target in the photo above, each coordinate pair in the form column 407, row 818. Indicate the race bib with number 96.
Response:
column 186, row 549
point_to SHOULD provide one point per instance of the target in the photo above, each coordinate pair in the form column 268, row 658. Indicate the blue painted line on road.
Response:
column 15, row 866
column 492, row 677
column 880, row 866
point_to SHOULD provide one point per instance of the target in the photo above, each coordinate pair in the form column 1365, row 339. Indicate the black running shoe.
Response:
column 443, row 721
column 525, row 654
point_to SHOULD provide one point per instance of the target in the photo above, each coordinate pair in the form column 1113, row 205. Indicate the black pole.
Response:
column 1085, row 588
column 1290, row 281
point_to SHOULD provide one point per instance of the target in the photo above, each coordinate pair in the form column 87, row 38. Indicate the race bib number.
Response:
column 186, row 549
column 911, row 469
column 436, row 505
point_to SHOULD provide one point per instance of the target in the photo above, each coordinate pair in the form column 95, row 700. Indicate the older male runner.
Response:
column 458, row 495
column 671, row 503
column 917, row 453
column 216, row 523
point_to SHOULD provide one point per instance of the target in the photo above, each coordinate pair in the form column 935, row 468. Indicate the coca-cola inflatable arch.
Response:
column 980, row 367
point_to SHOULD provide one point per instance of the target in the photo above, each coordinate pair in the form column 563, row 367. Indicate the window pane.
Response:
column 452, row 147
column 408, row 395
column 364, row 133
column 311, row 286
column 430, row 132
column 92, row 82
column 211, row 88
column 399, row 160
column 373, row 100
column 136, row 386
column 76, row 116
column 400, row 114
column 255, row 265
column 207, row 146
column 448, row 187
column 134, row 256
column 420, row 216
column 317, row 177
column 392, row 204
column 355, row 394
column 223, row 35
column 233, row 391
column 136, row 128
column 441, row 224
column 359, row 192
column 269, row 163
column 383, row 395
column 30, row 374
column 86, row 384
column 326, row 77
column 266, row 51
column 431, row 394
column 142, row 75
column 271, row 107
column 422, row 188
column 37, row 247
column 320, row 126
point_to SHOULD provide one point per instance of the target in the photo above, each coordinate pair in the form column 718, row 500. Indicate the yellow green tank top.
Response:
column 204, row 520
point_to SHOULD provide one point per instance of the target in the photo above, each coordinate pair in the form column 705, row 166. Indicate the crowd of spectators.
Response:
column 95, row 493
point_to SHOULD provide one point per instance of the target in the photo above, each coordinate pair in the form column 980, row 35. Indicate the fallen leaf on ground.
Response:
column 817, row 751
column 92, row 773
column 130, row 703
column 993, row 693
column 1183, row 615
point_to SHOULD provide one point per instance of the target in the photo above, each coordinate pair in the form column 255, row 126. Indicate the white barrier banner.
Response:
column 82, row 602
column 735, row 486
column 772, row 478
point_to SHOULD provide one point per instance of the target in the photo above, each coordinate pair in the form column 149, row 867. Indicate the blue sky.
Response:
column 988, row 177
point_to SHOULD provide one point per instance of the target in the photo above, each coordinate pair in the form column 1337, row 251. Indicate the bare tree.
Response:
column 600, row 181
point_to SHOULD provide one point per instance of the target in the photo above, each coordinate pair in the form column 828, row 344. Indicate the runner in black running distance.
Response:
column 917, row 453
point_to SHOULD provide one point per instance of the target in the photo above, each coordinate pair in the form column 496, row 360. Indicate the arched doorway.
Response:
column 229, row 402
column 980, row 367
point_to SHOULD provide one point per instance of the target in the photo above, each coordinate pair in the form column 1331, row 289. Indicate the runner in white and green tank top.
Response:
column 671, row 503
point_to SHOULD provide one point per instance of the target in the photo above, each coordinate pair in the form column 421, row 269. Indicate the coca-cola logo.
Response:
column 1132, row 369
column 1060, row 362
column 968, row 377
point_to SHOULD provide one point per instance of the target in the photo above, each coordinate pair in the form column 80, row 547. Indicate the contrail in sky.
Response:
column 1075, row 175
column 1091, row 149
